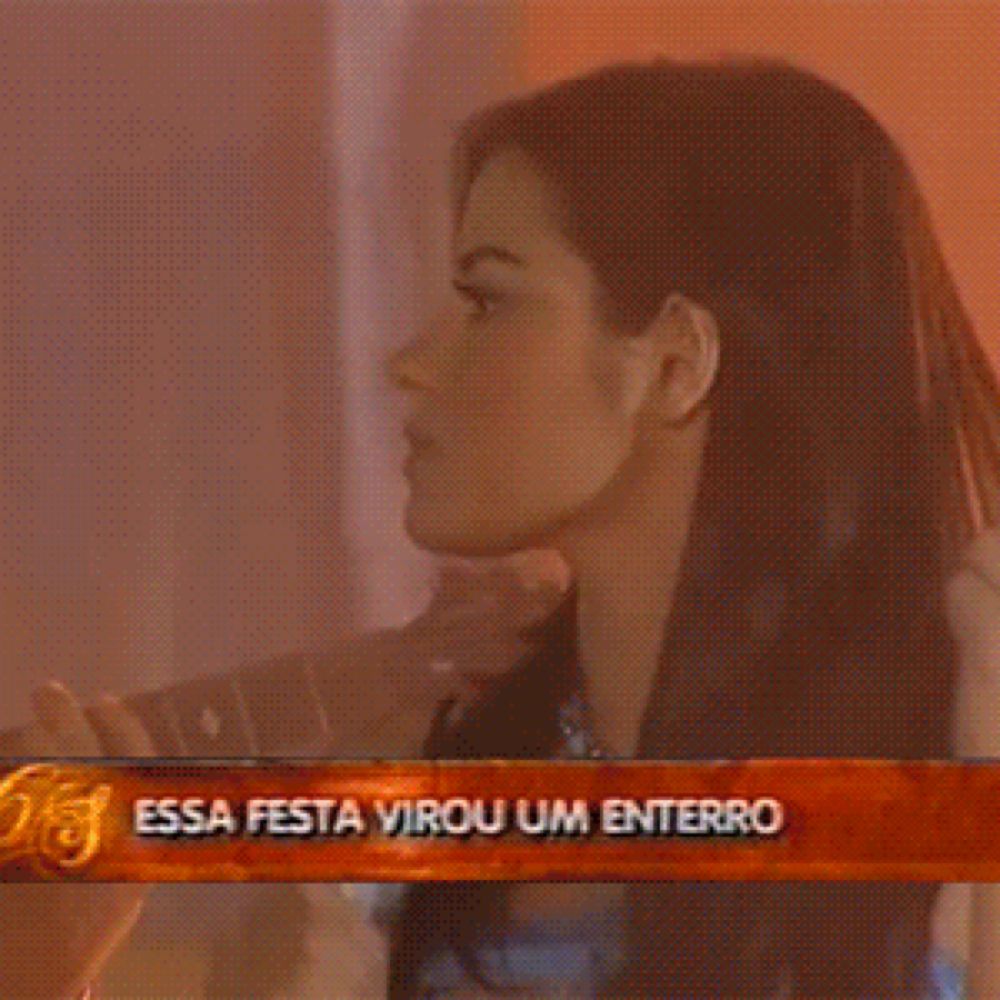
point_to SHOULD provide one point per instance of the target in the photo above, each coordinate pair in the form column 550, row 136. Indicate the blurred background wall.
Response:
column 216, row 221
column 170, row 402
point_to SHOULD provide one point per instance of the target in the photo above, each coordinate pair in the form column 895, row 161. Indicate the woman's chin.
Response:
column 428, row 530
column 441, row 535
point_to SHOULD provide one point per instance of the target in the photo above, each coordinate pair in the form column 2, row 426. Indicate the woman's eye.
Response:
column 483, row 302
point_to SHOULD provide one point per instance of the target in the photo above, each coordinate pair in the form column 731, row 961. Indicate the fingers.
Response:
column 512, row 593
column 540, row 567
column 35, row 741
column 457, row 577
column 122, row 734
column 973, row 610
column 63, row 729
column 536, row 582
column 61, row 716
column 464, row 690
column 982, row 556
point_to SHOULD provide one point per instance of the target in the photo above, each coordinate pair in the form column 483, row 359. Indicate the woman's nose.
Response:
column 409, row 367
column 421, row 362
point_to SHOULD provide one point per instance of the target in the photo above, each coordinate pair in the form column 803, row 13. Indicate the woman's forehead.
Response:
column 512, row 208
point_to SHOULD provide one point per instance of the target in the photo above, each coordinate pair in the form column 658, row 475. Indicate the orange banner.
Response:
column 574, row 820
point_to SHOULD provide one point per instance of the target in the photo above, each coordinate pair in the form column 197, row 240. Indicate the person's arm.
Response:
column 974, row 611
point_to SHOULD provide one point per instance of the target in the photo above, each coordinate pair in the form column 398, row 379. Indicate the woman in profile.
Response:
column 713, row 357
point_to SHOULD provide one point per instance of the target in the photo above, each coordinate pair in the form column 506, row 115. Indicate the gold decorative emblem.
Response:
column 51, row 815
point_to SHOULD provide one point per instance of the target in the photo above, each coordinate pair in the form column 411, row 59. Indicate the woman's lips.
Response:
column 420, row 444
column 414, row 462
column 418, row 439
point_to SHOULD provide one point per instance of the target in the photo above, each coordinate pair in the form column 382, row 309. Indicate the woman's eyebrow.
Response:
column 467, row 260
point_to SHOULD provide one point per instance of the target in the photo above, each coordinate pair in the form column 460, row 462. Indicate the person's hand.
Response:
column 973, row 608
column 474, row 623
column 57, row 936
column 490, row 604
column 496, row 596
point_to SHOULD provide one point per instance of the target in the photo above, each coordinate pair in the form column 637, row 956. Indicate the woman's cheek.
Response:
column 535, row 437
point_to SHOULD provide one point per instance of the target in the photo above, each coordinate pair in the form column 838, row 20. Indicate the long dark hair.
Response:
column 854, row 447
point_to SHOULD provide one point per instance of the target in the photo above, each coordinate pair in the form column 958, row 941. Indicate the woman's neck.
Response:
column 626, row 562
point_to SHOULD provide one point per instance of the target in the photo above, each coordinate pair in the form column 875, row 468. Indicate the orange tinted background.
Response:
column 929, row 70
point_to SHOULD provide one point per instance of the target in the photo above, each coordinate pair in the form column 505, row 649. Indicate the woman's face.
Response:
column 518, row 413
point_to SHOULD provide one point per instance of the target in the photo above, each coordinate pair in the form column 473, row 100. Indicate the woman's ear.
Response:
column 683, row 359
